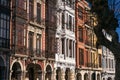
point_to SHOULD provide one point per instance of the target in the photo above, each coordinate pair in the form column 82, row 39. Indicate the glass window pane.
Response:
column 1, row 23
column 1, row 33
column 1, row 15
column 4, row 24
column 4, row 34
column 7, row 34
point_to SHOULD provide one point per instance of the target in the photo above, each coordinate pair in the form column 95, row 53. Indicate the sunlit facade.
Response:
column 88, row 58
column 51, row 40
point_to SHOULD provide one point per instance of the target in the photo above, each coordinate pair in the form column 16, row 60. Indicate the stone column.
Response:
column 54, row 74
column 72, row 48
column 72, row 75
column 10, row 74
column 62, row 75
column 24, row 75
column 65, row 47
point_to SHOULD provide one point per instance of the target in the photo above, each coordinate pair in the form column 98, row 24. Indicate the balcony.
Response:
column 92, row 65
column 36, row 53
column 20, row 50
column 50, row 55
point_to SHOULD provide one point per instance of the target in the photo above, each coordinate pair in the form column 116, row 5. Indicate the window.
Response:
column 80, row 12
column 30, row 42
column 38, row 43
column 63, row 21
column 106, row 63
column 4, row 30
column 112, row 64
column 81, row 34
column 70, row 48
column 38, row 12
column 100, row 62
column 73, row 25
column 5, row 3
column 57, row 45
column 67, row 47
column 63, row 44
column 81, row 56
column 89, row 36
column 70, row 3
column 73, row 49
column 67, row 22
column 87, row 58
column 31, row 10
column 70, row 22
column 109, row 63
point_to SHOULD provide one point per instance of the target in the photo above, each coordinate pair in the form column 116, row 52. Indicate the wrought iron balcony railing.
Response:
column 36, row 52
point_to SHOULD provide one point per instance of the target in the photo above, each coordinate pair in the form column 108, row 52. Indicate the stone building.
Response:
column 65, row 39
column 108, row 60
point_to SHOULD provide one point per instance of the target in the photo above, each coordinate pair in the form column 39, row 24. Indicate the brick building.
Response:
column 27, row 59
column 88, row 58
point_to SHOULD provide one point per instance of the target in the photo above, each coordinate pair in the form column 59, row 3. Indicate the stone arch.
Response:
column 109, row 78
column 18, row 62
column 85, row 76
column 16, row 71
column 48, row 75
column 78, row 76
column 103, row 78
column 2, row 68
column 49, row 66
column 34, row 71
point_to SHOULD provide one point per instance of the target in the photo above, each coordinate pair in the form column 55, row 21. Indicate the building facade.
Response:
column 4, row 39
column 51, row 40
column 27, row 61
column 65, row 38
column 88, row 58
column 108, row 60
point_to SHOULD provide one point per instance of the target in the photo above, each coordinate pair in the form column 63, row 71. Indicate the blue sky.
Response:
column 115, row 4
